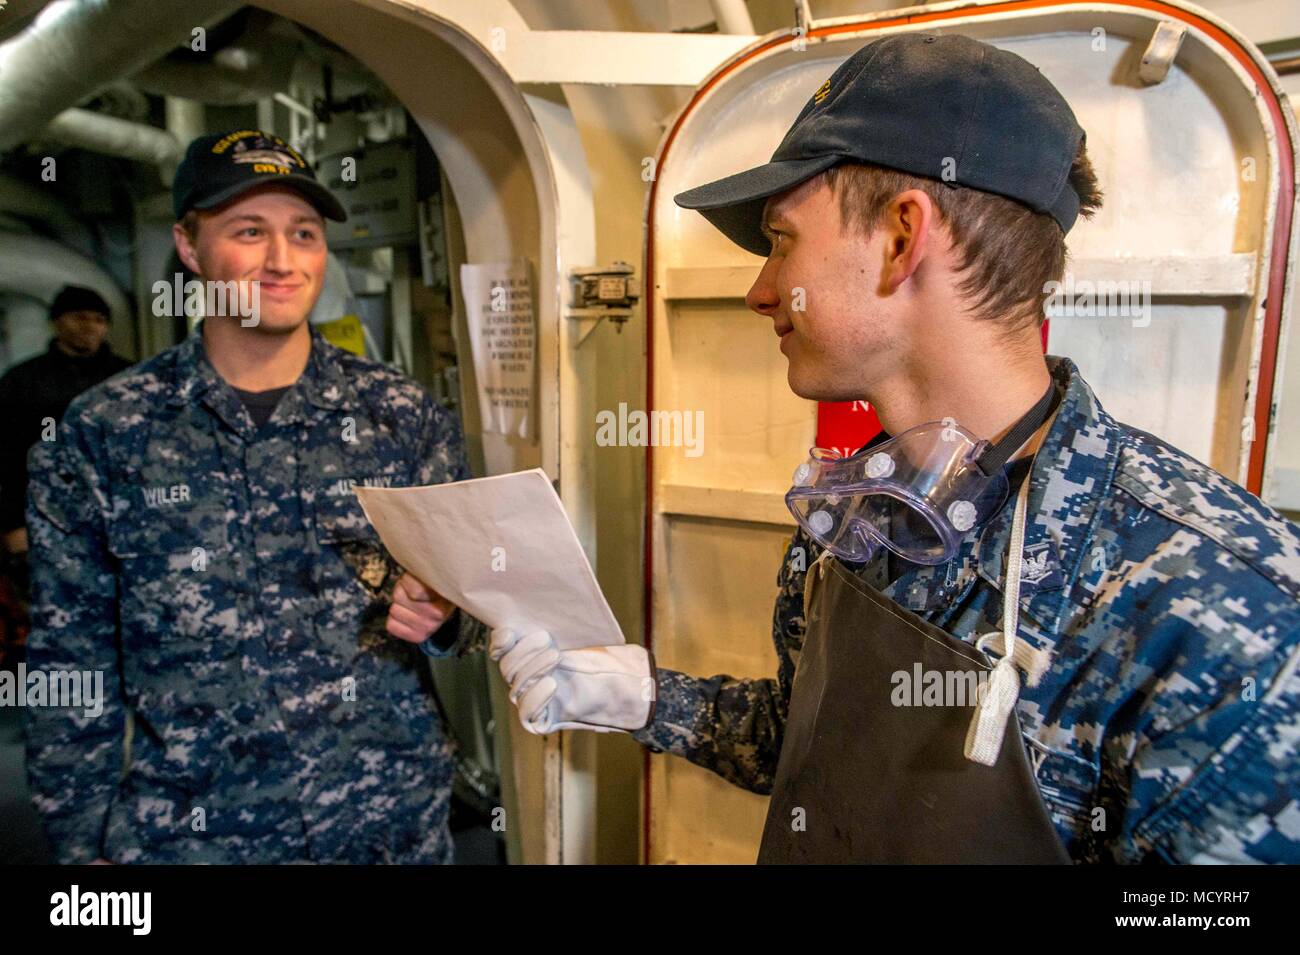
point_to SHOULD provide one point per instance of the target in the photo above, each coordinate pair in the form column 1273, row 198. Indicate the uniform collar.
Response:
column 1070, row 476
column 322, row 383
column 192, row 374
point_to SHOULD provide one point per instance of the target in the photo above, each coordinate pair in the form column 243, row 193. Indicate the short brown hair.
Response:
column 1009, row 252
column 190, row 224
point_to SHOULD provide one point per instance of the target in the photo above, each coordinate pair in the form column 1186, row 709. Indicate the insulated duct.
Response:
column 39, row 268
column 121, row 100
column 254, row 66
column 75, row 48
column 114, row 137
column 25, row 201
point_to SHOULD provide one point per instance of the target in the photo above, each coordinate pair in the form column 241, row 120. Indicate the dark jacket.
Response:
column 30, row 392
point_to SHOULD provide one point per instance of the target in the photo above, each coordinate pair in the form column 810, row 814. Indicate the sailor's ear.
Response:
column 185, row 247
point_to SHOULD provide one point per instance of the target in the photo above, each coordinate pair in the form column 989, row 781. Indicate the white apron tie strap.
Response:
column 999, row 695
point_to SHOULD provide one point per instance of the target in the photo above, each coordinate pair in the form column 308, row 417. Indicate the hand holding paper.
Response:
column 502, row 549
column 417, row 612
column 606, row 689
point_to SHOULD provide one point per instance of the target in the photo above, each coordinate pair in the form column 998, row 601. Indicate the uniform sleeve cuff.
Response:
column 443, row 642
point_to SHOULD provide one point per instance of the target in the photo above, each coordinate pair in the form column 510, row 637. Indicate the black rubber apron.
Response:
column 863, row 780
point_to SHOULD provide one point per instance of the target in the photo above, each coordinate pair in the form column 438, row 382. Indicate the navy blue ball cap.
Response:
column 222, row 166
column 942, row 106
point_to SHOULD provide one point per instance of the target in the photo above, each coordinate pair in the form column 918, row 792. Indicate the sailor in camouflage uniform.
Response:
column 1164, row 609
column 210, row 557
column 1159, row 602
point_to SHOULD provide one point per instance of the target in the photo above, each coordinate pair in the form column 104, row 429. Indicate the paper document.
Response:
column 501, row 548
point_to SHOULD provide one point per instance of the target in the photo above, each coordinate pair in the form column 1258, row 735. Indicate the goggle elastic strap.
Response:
column 994, row 457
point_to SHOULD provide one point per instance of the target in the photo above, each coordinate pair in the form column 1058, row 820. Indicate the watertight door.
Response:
column 1194, row 150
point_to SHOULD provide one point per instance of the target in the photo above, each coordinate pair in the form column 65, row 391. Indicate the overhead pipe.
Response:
column 38, row 268
column 26, row 328
column 207, row 83
column 75, row 48
column 122, row 100
column 251, row 68
column 31, row 203
column 114, row 137
column 186, row 119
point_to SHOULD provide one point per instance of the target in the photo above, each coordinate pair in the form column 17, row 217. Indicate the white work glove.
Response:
column 606, row 689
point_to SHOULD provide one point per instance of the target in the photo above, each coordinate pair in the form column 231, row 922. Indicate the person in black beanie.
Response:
column 33, row 396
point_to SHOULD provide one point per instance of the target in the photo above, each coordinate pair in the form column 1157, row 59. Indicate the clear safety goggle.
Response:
column 917, row 494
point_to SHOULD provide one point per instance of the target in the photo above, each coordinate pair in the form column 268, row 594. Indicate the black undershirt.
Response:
column 1016, row 471
column 261, row 404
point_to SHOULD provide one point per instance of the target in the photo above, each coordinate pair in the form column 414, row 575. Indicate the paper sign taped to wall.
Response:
column 499, row 310
column 500, row 547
